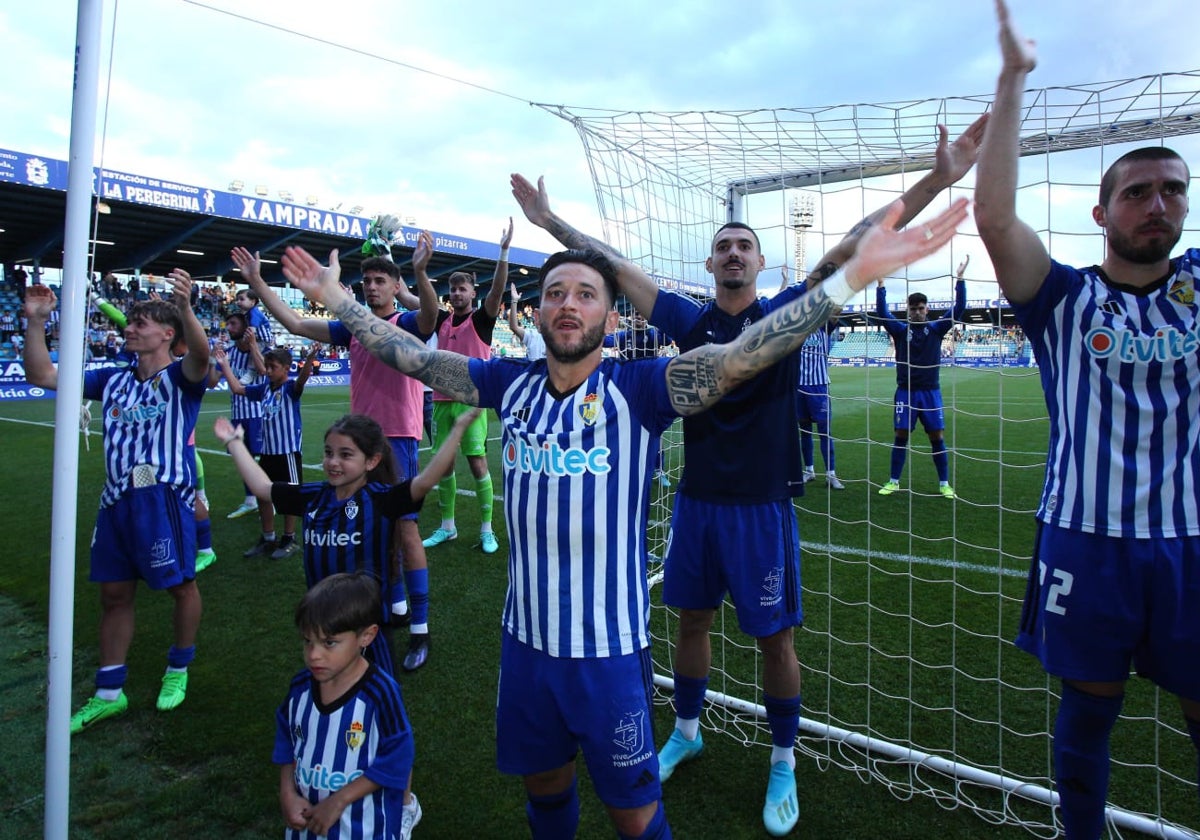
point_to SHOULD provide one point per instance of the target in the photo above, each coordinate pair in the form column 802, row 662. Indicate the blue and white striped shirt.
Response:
column 281, row 427
column 814, row 356
column 146, row 424
column 1121, row 371
column 241, row 408
column 365, row 732
column 577, row 471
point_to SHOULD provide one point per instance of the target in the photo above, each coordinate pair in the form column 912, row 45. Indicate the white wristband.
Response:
column 503, row 255
column 838, row 289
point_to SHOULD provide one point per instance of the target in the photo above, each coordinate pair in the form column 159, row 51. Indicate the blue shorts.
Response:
column 407, row 466
column 1094, row 604
column 925, row 406
column 812, row 404
column 148, row 533
column 254, row 433
column 751, row 551
column 549, row 708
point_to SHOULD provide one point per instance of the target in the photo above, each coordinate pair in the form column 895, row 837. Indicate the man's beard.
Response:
column 589, row 340
column 1152, row 252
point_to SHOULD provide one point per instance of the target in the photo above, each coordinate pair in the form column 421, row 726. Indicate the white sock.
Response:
column 689, row 728
column 400, row 608
column 418, row 629
column 787, row 754
column 171, row 670
column 448, row 525
column 485, row 528
column 109, row 694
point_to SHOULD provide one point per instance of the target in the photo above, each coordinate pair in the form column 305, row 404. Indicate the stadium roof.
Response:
column 152, row 226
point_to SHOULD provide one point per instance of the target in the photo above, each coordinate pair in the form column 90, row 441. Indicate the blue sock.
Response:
column 656, row 829
column 1194, row 730
column 204, row 535
column 689, row 696
column 111, row 678
column 555, row 816
column 180, row 657
column 1081, row 759
column 783, row 717
column 396, row 593
column 806, row 448
column 899, row 453
column 940, row 459
column 826, row 446
column 417, row 582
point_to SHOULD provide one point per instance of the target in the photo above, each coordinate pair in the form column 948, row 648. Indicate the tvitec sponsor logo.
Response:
column 552, row 459
column 1166, row 345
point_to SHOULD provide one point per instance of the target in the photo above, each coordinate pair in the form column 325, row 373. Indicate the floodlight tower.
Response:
column 802, row 222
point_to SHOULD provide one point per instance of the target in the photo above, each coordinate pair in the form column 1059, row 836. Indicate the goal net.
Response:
column 911, row 600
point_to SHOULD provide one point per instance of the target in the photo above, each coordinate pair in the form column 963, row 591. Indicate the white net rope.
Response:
column 911, row 601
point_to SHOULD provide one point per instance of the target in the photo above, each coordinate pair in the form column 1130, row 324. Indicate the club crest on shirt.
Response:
column 590, row 409
column 355, row 735
column 1183, row 290
column 351, row 509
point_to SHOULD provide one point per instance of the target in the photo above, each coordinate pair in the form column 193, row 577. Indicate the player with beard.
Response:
column 578, row 434
column 1115, row 576
column 734, row 527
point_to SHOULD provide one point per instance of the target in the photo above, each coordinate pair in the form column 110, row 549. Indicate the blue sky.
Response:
column 198, row 95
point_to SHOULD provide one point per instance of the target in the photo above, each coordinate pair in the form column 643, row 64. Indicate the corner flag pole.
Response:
column 66, row 418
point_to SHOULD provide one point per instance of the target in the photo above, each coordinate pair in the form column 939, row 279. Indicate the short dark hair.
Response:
column 1109, row 182
column 250, row 293
column 381, row 264
column 282, row 355
column 237, row 314
column 461, row 277
column 738, row 226
column 592, row 259
column 161, row 312
column 917, row 298
column 340, row 603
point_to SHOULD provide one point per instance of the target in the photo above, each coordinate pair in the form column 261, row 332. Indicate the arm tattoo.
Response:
column 822, row 272
column 700, row 377
column 860, row 228
column 441, row 370
column 572, row 238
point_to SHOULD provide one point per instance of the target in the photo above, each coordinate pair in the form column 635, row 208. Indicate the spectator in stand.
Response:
column 535, row 345
column 20, row 280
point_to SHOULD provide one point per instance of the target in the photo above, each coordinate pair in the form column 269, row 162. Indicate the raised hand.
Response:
column 951, row 161
column 535, row 203
column 226, row 431
column 962, row 267
column 1018, row 53
column 39, row 302
column 181, row 287
column 248, row 264
column 506, row 236
column 883, row 249
column 423, row 251
column 304, row 272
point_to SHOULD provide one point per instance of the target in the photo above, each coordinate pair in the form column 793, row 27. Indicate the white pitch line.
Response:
column 913, row 560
